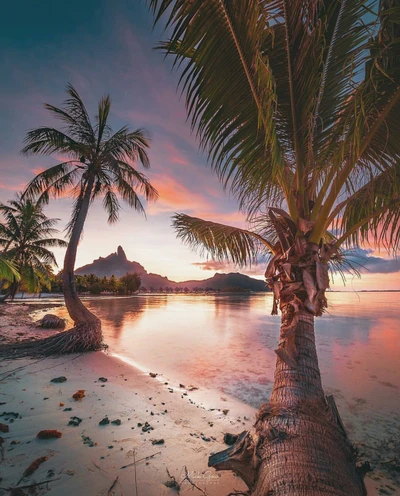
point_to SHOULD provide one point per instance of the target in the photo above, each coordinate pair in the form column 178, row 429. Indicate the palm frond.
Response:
column 229, row 87
column 52, row 181
column 111, row 206
column 8, row 270
column 221, row 241
column 47, row 140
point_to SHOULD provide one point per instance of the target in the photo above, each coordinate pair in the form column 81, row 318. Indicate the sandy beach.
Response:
column 152, row 433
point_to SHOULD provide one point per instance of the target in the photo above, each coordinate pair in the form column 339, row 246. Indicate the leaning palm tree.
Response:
column 25, row 238
column 101, row 164
column 298, row 104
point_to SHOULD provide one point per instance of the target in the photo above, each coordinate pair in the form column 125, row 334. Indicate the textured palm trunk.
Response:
column 299, row 446
column 87, row 325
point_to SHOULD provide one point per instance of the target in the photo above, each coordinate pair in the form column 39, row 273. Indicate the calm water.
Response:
column 226, row 343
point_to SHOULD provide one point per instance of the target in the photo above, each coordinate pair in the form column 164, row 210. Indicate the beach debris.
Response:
column 33, row 467
column 110, row 492
column 46, row 398
column 187, row 478
column 152, row 374
column 18, row 491
column 225, row 411
column 141, row 459
column 69, row 409
column 87, row 440
column 4, row 428
column 49, row 434
column 181, row 385
column 58, row 380
column 205, row 438
column 147, row 427
column 116, row 422
column 192, row 388
column 104, row 421
column 50, row 321
column 157, row 441
column 172, row 483
column 79, row 395
column 2, row 441
column 230, row 439
column 102, row 379
column 74, row 421
column 10, row 415
column 61, row 404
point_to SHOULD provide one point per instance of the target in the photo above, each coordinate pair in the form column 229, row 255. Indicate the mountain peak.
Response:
column 121, row 254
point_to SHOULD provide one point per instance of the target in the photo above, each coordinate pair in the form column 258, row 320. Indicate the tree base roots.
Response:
column 82, row 338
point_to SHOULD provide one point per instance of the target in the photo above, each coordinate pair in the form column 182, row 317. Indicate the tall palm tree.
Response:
column 25, row 238
column 101, row 164
column 298, row 105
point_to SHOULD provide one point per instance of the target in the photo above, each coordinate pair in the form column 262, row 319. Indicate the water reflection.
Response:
column 226, row 342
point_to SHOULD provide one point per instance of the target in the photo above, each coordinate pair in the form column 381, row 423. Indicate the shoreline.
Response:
column 187, row 427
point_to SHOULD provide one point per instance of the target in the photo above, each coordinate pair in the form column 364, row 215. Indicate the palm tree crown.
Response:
column 97, row 157
column 298, row 105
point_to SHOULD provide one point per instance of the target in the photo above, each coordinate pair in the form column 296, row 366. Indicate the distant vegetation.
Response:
column 25, row 238
column 94, row 285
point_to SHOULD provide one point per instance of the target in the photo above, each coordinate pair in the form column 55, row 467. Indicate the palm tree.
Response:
column 298, row 104
column 100, row 165
column 25, row 237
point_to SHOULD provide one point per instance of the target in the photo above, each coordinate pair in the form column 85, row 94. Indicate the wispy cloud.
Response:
column 366, row 262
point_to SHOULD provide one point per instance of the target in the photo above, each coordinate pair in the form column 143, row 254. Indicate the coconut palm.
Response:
column 298, row 104
column 25, row 238
column 99, row 163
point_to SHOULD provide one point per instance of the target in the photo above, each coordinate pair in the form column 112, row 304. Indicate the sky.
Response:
column 104, row 47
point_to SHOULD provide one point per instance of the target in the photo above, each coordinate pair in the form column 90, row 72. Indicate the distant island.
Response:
column 118, row 265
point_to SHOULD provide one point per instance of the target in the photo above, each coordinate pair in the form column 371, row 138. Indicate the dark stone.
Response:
column 157, row 441
column 58, row 380
column 75, row 421
column 230, row 439
column 104, row 421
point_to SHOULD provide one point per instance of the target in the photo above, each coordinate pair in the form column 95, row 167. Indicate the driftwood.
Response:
column 50, row 321
column 238, row 457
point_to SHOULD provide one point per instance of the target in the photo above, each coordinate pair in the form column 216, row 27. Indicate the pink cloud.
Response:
column 211, row 265
column 175, row 196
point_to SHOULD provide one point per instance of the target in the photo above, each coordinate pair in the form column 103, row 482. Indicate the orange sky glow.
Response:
column 111, row 51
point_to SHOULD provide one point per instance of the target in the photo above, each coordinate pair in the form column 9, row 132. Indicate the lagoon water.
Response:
column 225, row 342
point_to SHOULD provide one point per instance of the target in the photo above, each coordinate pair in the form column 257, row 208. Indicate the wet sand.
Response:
column 88, row 458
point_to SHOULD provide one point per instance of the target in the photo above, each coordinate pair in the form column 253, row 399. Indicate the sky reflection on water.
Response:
column 226, row 342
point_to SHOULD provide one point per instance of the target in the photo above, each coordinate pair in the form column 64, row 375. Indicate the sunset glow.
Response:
column 39, row 55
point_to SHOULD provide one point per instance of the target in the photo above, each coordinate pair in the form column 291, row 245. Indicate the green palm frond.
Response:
column 229, row 87
column 8, row 270
column 298, row 104
column 221, row 241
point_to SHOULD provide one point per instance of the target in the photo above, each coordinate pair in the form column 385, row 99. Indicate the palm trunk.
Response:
column 76, row 309
column 82, row 317
column 299, row 447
